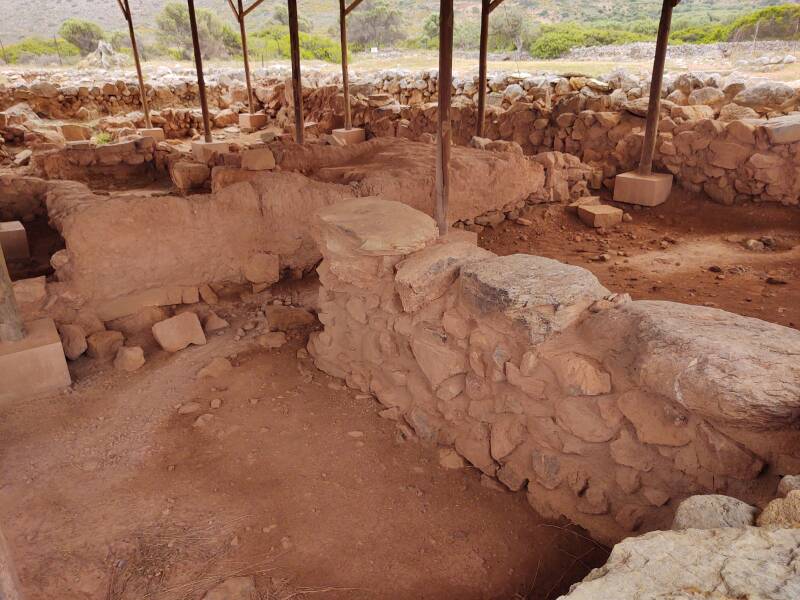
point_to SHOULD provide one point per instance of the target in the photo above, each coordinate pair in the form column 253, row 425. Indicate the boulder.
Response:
column 287, row 318
column 129, row 358
column 188, row 175
column 695, row 563
column 104, row 344
column 782, row 513
column 176, row 333
column 788, row 483
column 713, row 511
column 262, row 268
column 765, row 95
column 73, row 340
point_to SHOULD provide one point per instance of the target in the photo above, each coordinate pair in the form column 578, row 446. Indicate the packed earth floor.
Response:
column 122, row 487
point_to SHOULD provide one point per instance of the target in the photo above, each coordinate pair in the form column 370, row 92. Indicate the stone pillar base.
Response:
column 13, row 240
column 202, row 150
column 33, row 365
column 153, row 132
column 356, row 135
column 252, row 121
column 645, row 190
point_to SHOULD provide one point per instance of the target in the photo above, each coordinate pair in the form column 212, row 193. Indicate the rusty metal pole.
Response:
column 243, row 32
column 136, row 60
column 198, row 62
column 348, row 123
column 11, row 327
column 654, row 106
column 484, row 48
column 294, row 40
column 445, row 129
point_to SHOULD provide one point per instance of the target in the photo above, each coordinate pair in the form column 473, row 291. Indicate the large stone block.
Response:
column 202, row 150
column 426, row 275
column 252, row 121
column 645, row 190
column 33, row 365
column 176, row 333
column 347, row 137
column 544, row 294
column 156, row 133
column 722, row 366
column 14, row 240
column 373, row 227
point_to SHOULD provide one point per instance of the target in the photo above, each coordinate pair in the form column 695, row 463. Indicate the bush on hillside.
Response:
column 273, row 42
column 82, row 34
column 30, row 49
column 556, row 40
column 217, row 38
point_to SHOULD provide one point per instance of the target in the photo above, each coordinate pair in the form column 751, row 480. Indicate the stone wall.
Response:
column 604, row 410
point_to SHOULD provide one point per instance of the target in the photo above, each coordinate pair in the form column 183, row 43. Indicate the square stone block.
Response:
column 203, row 150
column 14, row 240
column 153, row 132
column 252, row 121
column 355, row 135
column 33, row 365
column 645, row 190
column 599, row 215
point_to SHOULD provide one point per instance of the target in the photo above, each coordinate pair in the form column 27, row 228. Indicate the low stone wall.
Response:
column 133, row 162
column 604, row 410
column 731, row 161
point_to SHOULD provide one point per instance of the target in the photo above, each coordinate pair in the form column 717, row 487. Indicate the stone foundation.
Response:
column 603, row 410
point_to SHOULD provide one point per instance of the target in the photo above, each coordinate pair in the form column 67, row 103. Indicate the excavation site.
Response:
column 293, row 332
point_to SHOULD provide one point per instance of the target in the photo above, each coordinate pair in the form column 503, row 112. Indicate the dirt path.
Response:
column 687, row 250
column 107, row 492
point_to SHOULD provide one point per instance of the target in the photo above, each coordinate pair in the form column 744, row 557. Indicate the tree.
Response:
column 510, row 28
column 375, row 23
column 216, row 37
column 281, row 17
column 82, row 34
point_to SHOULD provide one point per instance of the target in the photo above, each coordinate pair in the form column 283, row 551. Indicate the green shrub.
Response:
column 554, row 41
column 273, row 42
column 217, row 38
column 36, row 46
column 103, row 138
column 82, row 34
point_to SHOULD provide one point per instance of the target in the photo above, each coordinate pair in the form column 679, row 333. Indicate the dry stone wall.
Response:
column 601, row 409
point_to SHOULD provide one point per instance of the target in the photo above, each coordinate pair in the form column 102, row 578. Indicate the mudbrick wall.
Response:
column 604, row 410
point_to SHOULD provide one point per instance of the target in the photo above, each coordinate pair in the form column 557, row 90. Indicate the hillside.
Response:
column 43, row 17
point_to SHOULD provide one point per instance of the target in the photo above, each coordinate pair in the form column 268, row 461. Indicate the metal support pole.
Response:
column 348, row 123
column 294, row 40
column 136, row 60
column 11, row 327
column 198, row 61
column 444, row 131
column 484, row 47
column 243, row 32
column 654, row 106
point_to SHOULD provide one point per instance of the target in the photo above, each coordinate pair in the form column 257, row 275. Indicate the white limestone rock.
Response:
column 713, row 511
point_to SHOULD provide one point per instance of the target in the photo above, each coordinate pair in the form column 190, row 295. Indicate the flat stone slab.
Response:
column 34, row 365
column 599, row 215
column 545, row 294
column 252, row 121
column 723, row 366
column 645, row 190
column 374, row 227
column 153, row 132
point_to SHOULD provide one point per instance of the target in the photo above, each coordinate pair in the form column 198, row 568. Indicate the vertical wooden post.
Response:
column 243, row 31
column 444, row 131
column 198, row 62
column 484, row 48
column 137, row 62
column 654, row 105
column 348, row 123
column 294, row 40
column 11, row 326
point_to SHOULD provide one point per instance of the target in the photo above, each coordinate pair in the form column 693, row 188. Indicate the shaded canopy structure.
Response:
column 11, row 326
